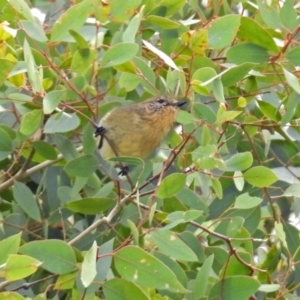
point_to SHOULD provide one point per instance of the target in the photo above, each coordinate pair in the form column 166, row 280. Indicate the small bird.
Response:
column 137, row 129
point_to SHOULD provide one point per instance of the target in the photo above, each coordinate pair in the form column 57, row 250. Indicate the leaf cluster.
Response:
column 207, row 217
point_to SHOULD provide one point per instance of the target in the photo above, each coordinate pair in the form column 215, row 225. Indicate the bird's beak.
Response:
column 180, row 103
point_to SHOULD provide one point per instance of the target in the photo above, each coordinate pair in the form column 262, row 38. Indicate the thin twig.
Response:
column 23, row 173
column 103, row 220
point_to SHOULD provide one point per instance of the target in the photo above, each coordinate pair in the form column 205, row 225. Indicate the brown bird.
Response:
column 137, row 129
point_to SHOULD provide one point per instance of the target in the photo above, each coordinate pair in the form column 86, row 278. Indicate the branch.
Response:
column 225, row 238
column 23, row 173
column 103, row 220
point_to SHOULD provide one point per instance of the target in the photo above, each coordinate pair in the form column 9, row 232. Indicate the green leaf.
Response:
column 128, row 160
column 66, row 147
column 206, row 136
column 251, row 32
column 174, row 266
column 132, row 28
column 52, row 100
column 247, row 53
column 105, row 190
column 219, row 38
column 90, row 206
column 269, row 288
column 218, row 90
column 9, row 246
column 173, row 6
column 31, row 122
column 229, row 288
column 57, row 256
column 202, row 279
column 184, row 118
column 11, row 295
column 293, row 190
column 239, row 162
column 45, row 149
column 288, row 15
column 6, row 67
column 73, row 19
column 5, row 141
column 61, row 122
column 242, row 102
column 252, row 217
column 260, row 176
column 22, row 8
column 245, row 201
column 123, row 10
column 171, row 185
column 83, row 58
column 89, row 144
column 196, row 40
column 25, row 198
column 119, row 54
column 162, row 22
column 146, row 73
column 81, row 42
column 34, row 73
column 217, row 187
column 104, row 260
column 235, row 267
column 64, row 282
column 282, row 237
column 191, row 199
column 251, row 129
column 204, row 112
column 204, row 151
column 292, row 80
column 82, row 166
column 20, row 266
column 224, row 116
column 34, row 30
column 235, row 74
column 239, row 181
column 184, row 216
column 138, row 266
column 293, row 55
column 129, row 81
column 269, row 110
column 121, row 289
column 269, row 14
column 167, row 59
column 17, row 98
column 169, row 243
column 134, row 232
column 292, row 237
column 203, row 75
column 88, row 270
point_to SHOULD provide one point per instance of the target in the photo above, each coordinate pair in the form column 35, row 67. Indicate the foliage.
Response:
column 205, row 218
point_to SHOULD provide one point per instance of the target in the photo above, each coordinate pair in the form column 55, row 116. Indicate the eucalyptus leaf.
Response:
column 132, row 260
column 61, row 122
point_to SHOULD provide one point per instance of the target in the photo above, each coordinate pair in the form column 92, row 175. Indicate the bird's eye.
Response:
column 161, row 101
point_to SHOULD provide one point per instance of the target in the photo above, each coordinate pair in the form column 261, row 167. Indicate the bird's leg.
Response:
column 100, row 131
column 123, row 170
